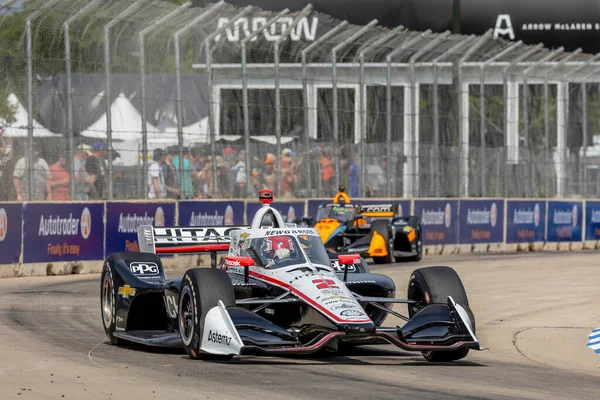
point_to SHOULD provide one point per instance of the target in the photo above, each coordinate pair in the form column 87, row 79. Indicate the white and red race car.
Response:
column 276, row 292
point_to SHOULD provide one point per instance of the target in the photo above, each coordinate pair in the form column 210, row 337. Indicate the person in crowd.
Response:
column 84, row 180
column 170, row 174
column 327, row 173
column 354, row 176
column 269, row 178
column 287, row 166
column 41, row 174
column 239, row 176
column 96, row 165
column 156, row 178
column 60, row 180
column 223, row 189
column 187, row 186
column 375, row 179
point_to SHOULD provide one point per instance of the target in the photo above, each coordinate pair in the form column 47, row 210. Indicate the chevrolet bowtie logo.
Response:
column 126, row 291
column 244, row 235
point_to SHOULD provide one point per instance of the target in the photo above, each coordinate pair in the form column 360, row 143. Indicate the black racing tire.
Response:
column 383, row 228
column 201, row 289
column 108, row 297
column 431, row 285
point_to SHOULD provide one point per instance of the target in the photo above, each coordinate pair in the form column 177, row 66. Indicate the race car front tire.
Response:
column 431, row 285
column 201, row 289
column 382, row 227
column 108, row 296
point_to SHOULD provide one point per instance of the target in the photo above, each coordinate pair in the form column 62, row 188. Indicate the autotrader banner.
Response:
column 11, row 218
column 56, row 232
column 481, row 221
column 211, row 213
column 123, row 219
column 565, row 221
column 290, row 211
column 592, row 218
column 525, row 221
column 439, row 220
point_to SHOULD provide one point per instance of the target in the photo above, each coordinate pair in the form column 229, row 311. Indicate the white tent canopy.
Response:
column 272, row 139
column 19, row 127
column 126, row 123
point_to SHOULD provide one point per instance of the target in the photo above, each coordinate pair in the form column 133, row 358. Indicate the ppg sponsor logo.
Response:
column 144, row 268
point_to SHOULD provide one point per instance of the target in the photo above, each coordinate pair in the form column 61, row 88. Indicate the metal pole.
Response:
column 29, row 151
column 526, row 110
column 179, row 108
column 124, row 14
column 463, row 122
column 584, row 132
column 511, row 65
column 363, row 120
column 482, row 130
column 388, row 96
column 436, row 116
column 305, row 96
column 211, row 112
column 415, row 110
column 334, row 51
column 245, row 88
column 142, row 46
column 70, row 134
column 278, row 42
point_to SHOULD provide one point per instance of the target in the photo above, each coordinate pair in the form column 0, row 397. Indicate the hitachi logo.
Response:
column 216, row 337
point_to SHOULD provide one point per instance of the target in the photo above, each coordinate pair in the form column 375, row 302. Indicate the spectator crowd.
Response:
column 52, row 182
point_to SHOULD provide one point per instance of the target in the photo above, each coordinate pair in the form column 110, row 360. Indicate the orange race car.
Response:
column 373, row 230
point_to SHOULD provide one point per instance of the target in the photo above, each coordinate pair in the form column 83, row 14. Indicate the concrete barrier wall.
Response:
column 48, row 238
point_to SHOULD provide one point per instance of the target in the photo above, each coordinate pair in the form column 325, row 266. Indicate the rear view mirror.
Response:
column 231, row 261
column 349, row 259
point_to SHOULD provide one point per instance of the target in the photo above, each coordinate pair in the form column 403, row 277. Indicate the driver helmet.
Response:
column 279, row 246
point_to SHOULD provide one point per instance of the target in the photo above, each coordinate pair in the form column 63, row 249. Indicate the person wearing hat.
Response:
column 41, row 174
column 84, row 180
column 156, row 178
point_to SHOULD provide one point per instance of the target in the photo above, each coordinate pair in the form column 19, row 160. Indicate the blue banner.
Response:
column 525, row 221
column 592, row 220
column 290, row 211
column 481, row 221
column 211, row 213
column 58, row 232
column 11, row 219
column 123, row 219
column 565, row 221
column 313, row 206
column 439, row 220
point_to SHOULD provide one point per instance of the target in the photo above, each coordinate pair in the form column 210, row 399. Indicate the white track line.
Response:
column 92, row 349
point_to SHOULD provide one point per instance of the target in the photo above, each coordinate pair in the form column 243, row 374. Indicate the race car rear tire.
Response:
column 108, row 297
column 382, row 227
column 433, row 285
column 201, row 289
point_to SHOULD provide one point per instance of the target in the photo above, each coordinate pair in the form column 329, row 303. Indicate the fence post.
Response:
column 388, row 97
column 29, row 151
column 211, row 111
column 124, row 14
column 332, row 32
column 364, row 101
column 142, row 46
column 463, row 117
column 511, row 65
column 526, row 110
column 245, row 88
column 415, row 109
column 70, row 133
column 561, row 122
column 278, row 42
column 436, row 115
column 176, row 37
column 482, row 130
column 334, row 51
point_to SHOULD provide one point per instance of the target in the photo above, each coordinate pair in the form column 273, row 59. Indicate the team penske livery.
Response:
column 276, row 291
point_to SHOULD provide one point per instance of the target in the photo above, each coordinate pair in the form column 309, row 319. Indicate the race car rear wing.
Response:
column 181, row 240
column 379, row 210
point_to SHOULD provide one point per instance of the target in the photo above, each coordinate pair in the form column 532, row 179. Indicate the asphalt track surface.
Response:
column 533, row 311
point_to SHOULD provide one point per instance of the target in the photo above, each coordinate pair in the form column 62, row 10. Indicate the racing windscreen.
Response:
column 193, row 239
